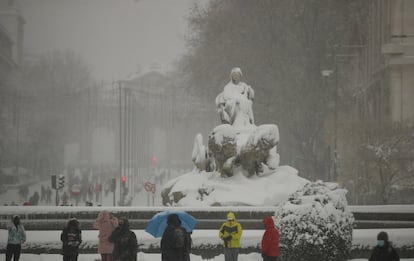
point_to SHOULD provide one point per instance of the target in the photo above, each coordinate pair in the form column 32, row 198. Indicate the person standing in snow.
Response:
column 175, row 241
column 270, row 240
column 71, row 238
column 383, row 251
column 230, row 232
column 106, row 223
column 17, row 236
column 234, row 103
column 125, row 242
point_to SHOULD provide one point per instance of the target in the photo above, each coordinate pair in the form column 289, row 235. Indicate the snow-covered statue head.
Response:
column 234, row 104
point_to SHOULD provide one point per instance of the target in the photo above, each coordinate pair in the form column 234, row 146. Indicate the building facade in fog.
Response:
column 11, row 53
column 7, row 64
column 13, row 22
column 398, row 52
column 378, row 67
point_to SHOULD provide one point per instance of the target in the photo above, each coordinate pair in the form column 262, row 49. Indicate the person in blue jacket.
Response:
column 17, row 236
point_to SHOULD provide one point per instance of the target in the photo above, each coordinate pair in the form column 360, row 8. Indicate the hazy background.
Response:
column 113, row 37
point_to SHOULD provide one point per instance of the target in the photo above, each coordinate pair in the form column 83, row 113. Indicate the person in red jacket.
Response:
column 270, row 240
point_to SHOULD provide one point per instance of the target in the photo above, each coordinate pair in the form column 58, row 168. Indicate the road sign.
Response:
column 75, row 190
column 150, row 187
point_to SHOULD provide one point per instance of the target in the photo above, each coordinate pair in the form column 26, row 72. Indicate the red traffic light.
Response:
column 123, row 178
column 154, row 160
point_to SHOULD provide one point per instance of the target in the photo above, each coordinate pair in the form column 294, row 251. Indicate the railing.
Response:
column 55, row 218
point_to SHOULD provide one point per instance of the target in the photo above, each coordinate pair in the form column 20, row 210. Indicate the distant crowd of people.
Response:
column 117, row 242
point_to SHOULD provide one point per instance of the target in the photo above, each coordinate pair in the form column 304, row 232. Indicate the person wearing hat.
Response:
column 230, row 232
column 17, row 236
column 383, row 251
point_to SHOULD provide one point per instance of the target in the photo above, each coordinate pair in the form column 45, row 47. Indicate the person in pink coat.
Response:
column 106, row 223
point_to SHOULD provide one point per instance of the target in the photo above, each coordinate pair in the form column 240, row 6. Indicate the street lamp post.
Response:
column 327, row 73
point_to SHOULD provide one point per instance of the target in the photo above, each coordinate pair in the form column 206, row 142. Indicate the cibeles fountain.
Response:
column 240, row 165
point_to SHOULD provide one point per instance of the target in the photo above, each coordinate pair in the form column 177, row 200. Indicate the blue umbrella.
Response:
column 158, row 222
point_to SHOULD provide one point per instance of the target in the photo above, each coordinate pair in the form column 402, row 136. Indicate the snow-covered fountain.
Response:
column 240, row 167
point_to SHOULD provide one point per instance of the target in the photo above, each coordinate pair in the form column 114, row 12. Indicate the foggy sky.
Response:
column 112, row 36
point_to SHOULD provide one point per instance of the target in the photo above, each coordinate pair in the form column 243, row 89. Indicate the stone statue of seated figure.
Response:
column 235, row 102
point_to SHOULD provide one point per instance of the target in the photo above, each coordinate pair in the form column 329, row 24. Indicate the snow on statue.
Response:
column 238, row 142
column 240, row 164
column 239, row 156
column 235, row 102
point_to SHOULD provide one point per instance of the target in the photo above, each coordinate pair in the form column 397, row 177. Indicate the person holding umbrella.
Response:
column 230, row 232
column 175, row 242
column 125, row 242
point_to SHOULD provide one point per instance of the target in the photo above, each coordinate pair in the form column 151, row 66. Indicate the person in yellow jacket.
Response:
column 231, row 232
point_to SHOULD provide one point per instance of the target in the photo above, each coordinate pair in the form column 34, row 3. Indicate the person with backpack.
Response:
column 106, row 223
column 384, row 251
column 230, row 232
column 16, row 237
column 175, row 241
column 125, row 242
column 270, row 240
column 71, row 238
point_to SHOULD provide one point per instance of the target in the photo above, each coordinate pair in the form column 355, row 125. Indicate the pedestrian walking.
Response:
column 125, row 242
column 270, row 240
column 16, row 237
column 230, row 232
column 106, row 223
column 175, row 241
column 384, row 251
column 71, row 238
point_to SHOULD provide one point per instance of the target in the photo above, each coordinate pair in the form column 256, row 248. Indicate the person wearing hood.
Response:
column 270, row 240
column 230, row 232
column 71, row 238
column 125, row 242
column 16, row 237
column 383, row 251
column 175, row 241
column 106, row 223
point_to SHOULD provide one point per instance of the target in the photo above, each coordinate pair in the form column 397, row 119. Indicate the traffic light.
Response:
column 123, row 179
column 113, row 185
column 61, row 181
column 54, row 182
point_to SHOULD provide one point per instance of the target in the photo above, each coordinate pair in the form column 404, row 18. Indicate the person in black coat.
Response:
column 383, row 251
column 125, row 242
column 71, row 238
column 176, row 241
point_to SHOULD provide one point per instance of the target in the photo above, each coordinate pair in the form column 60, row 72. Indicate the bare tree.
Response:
column 282, row 47
column 55, row 87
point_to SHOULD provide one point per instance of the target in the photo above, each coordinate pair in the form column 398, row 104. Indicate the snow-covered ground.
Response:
column 366, row 237
column 155, row 257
